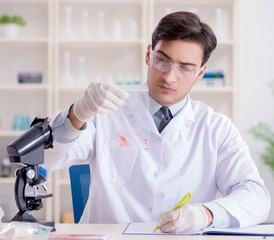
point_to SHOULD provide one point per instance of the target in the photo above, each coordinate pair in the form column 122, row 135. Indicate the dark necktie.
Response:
column 167, row 117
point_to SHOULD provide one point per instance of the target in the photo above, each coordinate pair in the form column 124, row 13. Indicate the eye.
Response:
column 161, row 62
column 161, row 58
column 184, row 68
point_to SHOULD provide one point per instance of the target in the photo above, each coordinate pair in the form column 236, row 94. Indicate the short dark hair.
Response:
column 185, row 26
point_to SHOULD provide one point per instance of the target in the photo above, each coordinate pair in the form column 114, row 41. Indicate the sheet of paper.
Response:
column 147, row 229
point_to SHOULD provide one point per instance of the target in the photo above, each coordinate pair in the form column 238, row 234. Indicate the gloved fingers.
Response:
column 193, row 219
column 172, row 223
column 189, row 218
column 105, row 96
column 168, row 217
column 169, row 227
column 105, row 106
column 94, row 102
column 121, row 94
column 98, row 98
column 180, row 220
column 110, row 101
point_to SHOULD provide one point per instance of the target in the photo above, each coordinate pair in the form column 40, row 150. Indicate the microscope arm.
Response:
column 19, row 189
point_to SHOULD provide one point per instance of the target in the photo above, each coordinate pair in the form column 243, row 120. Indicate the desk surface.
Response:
column 115, row 230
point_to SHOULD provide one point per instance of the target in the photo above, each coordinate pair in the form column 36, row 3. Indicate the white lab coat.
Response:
column 137, row 173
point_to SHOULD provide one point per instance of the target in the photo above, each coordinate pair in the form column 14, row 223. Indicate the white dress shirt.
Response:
column 139, row 173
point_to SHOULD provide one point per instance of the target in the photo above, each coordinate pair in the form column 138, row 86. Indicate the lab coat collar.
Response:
column 155, row 106
column 139, row 112
column 183, row 120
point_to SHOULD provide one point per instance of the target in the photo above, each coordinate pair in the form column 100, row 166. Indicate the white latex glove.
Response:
column 189, row 218
column 98, row 98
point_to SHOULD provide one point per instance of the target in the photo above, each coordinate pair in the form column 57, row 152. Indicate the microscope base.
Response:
column 25, row 216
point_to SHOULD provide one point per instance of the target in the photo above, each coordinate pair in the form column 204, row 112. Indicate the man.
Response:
column 143, row 163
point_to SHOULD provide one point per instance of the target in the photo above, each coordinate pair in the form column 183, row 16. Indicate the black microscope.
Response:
column 28, row 150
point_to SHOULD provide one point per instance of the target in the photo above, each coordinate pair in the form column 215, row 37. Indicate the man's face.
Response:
column 170, row 85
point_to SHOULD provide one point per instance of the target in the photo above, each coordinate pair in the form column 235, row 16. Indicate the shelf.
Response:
column 99, row 41
column 23, row 1
column 33, row 40
column 100, row 1
column 213, row 89
column 63, row 182
column 128, row 87
column 10, row 133
column 76, row 41
column 7, row 180
column 226, row 42
column 83, row 87
column 71, row 88
column 24, row 86
column 196, row 2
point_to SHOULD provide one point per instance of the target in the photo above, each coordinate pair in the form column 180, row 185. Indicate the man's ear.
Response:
column 201, row 74
column 148, row 54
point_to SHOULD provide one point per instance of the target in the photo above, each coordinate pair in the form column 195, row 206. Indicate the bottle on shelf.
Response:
column 5, row 167
column 193, row 10
column 82, row 79
column 119, row 80
column 68, row 27
column 1, row 126
column 133, row 29
column 109, row 79
column 98, row 78
column 117, row 31
column 21, row 122
column 102, row 28
column 67, row 76
column 168, row 10
column 218, row 23
column 85, row 24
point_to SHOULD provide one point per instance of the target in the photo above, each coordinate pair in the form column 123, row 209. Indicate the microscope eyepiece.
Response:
column 29, row 148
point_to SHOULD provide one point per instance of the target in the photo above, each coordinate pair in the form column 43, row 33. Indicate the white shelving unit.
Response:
column 31, row 51
column 100, row 34
column 74, row 42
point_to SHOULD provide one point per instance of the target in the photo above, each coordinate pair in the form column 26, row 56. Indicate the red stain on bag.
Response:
column 123, row 141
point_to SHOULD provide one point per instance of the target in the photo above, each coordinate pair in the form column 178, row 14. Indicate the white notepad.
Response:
column 147, row 229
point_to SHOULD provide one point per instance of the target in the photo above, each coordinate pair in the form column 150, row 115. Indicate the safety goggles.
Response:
column 181, row 71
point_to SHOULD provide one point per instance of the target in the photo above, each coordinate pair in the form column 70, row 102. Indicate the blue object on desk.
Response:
column 79, row 182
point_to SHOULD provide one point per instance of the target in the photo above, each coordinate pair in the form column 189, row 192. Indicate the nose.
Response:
column 170, row 75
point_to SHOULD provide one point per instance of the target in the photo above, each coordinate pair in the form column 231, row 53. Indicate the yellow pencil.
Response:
column 179, row 204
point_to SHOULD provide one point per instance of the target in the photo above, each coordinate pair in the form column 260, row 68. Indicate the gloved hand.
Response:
column 98, row 98
column 188, row 218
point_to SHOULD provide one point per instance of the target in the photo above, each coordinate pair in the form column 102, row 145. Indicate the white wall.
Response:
column 257, row 72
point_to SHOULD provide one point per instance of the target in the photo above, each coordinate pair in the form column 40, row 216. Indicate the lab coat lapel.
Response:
column 182, row 120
